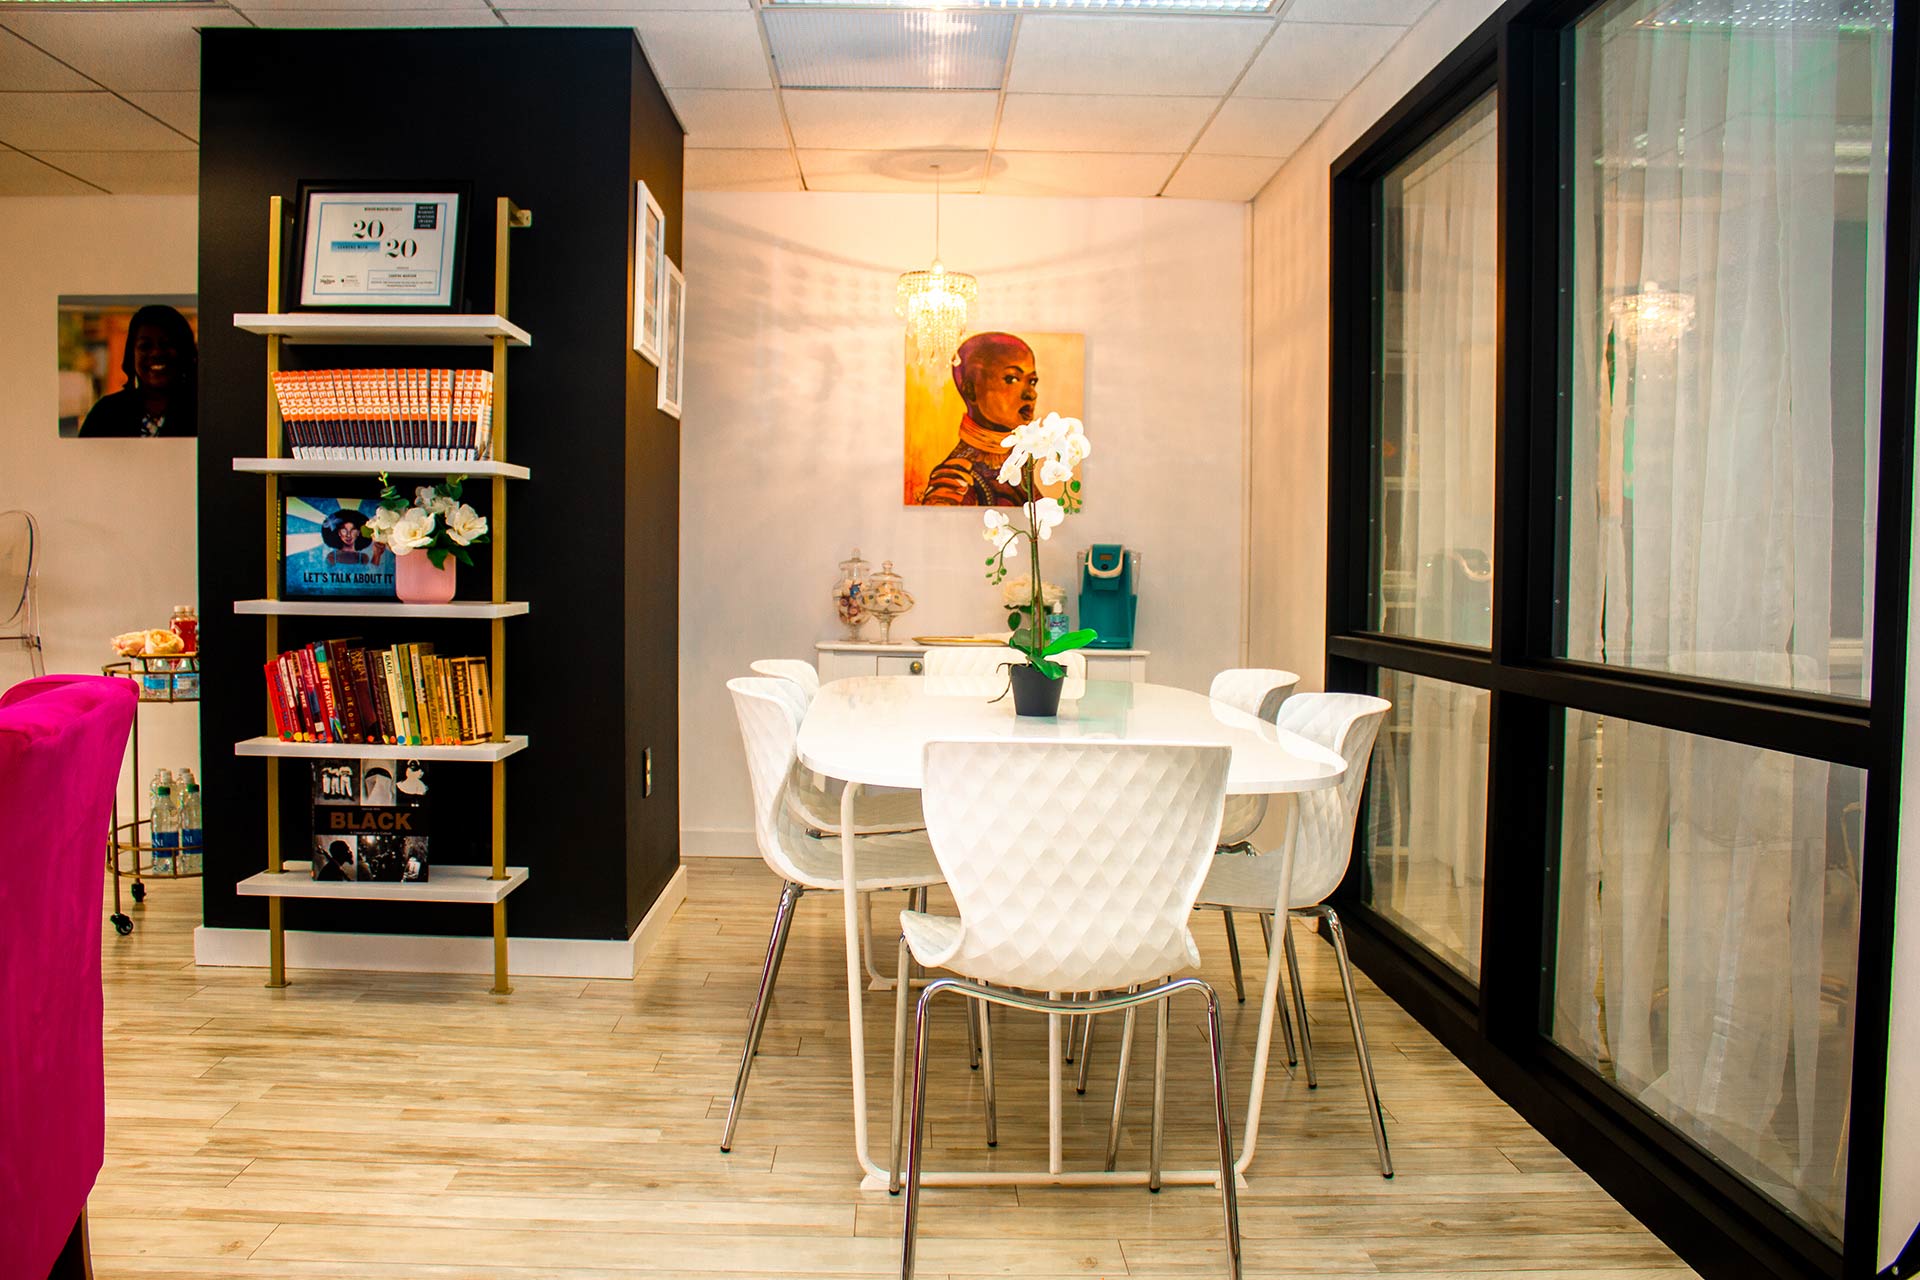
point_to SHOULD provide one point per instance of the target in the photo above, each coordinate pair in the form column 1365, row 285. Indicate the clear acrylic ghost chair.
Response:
column 1346, row 723
column 1258, row 691
column 19, row 587
column 770, row 711
column 987, row 659
column 1075, row 866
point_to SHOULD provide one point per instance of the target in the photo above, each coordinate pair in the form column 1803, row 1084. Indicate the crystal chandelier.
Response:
column 935, row 301
column 1653, row 318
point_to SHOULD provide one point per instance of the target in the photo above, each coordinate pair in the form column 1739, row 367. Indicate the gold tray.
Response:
column 979, row 640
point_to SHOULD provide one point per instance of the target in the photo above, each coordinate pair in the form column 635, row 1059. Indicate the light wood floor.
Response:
column 378, row 1125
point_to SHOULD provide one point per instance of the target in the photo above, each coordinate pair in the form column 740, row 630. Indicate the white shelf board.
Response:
column 381, row 330
column 481, row 751
column 374, row 466
column 381, row 609
column 443, row 884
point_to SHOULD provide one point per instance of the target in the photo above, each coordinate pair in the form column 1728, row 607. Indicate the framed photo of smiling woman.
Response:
column 957, row 418
column 128, row 366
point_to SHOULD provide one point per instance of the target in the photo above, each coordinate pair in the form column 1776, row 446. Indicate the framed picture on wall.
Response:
column 673, row 320
column 649, row 271
column 129, row 366
column 373, row 246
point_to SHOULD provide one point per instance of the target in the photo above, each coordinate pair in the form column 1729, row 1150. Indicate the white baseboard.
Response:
column 416, row 953
column 718, row 842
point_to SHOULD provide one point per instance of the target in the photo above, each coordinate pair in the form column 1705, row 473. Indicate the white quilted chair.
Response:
column 1258, row 691
column 876, row 812
column 1075, row 866
column 1347, row 723
column 987, row 659
column 770, row 711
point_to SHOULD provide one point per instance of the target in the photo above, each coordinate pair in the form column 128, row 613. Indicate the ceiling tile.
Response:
column 730, row 117
column 181, row 110
column 705, row 50
column 711, row 169
column 25, row 68
column 24, row 176
column 890, row 171
column 1100, row 122
column 880, row 120
column 1065, row 173
column 132, row 172
column 81, row 122
column 1262, row 126
column 1222, row 177
column 1094, row 54
column 255, row 7
column 1391, row 13
column 1316, row 60
column 394, row 18
column 152, row 47
column 842, row 49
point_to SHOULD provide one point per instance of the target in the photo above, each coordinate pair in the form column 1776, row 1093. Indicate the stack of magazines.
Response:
column 408, row 415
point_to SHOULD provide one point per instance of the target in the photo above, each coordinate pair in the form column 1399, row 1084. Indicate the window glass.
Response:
column 1433, row 455
column 1427, row 815
column 1729, row 197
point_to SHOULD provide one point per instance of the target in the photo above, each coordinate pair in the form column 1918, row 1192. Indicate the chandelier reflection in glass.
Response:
column 935, row 302
column 1653, row 318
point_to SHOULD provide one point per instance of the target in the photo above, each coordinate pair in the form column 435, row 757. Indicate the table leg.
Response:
column 856, row 1021
column 1054, row 1162
column 1264, row 1046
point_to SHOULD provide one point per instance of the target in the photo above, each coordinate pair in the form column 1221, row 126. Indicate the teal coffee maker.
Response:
column 1109, row 586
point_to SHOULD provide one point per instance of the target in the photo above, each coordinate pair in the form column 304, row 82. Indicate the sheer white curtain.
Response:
column 1704, row 892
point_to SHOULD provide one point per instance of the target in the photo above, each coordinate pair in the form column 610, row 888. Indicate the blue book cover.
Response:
column 329, row 551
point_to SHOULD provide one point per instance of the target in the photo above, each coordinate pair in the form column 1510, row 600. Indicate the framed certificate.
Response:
column 368, row 246
column 673, row 341
column 649, row 271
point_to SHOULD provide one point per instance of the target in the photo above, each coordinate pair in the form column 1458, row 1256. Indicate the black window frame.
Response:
column 1708, row 1214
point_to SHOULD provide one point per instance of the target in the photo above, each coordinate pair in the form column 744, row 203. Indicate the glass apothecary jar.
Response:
column 887, row 599
column 850, row 594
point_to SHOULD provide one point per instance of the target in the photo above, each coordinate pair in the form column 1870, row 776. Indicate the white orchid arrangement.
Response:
column 1041, row 454
column 434, row 521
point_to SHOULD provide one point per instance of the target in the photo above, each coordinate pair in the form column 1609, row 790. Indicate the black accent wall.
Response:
column 563, row 122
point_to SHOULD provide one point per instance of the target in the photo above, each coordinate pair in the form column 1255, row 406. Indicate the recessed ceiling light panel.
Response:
column 1058, row 6
column 916, row 50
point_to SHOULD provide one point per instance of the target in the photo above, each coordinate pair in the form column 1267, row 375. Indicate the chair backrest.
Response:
column 1346, row 723
column 770, row 711
column 17, row 534
column 1075, row 865
column 1258, row 691
column 801, row 673
column 61, row 742
column 986, row 660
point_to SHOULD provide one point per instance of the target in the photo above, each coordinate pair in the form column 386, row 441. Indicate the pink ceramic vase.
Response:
column 416, row 581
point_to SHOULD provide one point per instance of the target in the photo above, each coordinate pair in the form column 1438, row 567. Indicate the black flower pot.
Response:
column 1034, row 694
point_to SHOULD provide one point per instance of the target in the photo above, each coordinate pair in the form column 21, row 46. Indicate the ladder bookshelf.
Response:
column 282, row 880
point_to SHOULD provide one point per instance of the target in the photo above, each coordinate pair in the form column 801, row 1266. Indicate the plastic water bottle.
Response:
column 190, row 826
column 165, row 829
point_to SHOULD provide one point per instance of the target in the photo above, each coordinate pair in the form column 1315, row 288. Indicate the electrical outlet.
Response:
column 646, row 787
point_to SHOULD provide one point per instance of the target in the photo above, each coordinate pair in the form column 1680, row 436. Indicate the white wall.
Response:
column 1288, row 452
column 117, row 517
column 791, row 445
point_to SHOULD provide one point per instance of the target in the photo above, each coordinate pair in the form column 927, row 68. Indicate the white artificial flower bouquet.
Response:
column 1042, row 453
column 435, row 521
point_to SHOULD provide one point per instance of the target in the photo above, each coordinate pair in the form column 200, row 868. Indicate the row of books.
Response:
column 406, row 695
column 417, row 415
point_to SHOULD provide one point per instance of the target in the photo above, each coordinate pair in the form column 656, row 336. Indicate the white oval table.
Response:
column 872, row 732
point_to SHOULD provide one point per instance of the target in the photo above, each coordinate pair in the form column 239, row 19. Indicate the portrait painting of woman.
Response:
column 958, row 419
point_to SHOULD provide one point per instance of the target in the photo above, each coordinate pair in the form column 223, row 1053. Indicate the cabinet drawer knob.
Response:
column 918, row 667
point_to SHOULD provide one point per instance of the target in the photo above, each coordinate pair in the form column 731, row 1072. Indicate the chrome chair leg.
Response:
column 1160, row 1012
column 1374, row 1113
column 973, row 1041
column 1229, row 1194
column 1300, row 1005
column 1280, row 997
column 1086, row 1052
column 757, row 1020
column 986, row 1068
column 1066, row 1040
column 917, row 1130
column 1120, row 1085
column 1233, row 951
